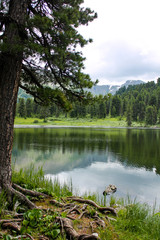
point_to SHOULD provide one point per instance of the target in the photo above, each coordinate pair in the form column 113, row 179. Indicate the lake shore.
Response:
column 86, row 216
column 81, row 126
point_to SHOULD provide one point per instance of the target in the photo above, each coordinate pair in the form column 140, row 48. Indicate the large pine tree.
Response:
column 38, row 52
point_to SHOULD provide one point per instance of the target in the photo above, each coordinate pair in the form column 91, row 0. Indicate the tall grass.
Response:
column 35, row 179
column 137, row 221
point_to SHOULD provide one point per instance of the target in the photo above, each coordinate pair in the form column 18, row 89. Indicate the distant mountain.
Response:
column 96, row 90
column 105, row 89
column 23, row 94
column 132, row 82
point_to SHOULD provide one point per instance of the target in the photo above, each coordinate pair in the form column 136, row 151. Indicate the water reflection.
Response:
column 94, row 158
column 133, row 181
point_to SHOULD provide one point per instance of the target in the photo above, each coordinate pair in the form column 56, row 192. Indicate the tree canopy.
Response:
column 52, row 67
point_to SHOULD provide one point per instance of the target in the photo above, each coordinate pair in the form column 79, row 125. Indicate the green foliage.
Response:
column 45, row 224
column 102, row 110
column 132, row 104
column 21, row 107
column 35, row 121
column 129, row 116
column 7, row 237
column 32, row 218
column 158, row 115
column 116, row 106
column 29, row 106
column 151, row 115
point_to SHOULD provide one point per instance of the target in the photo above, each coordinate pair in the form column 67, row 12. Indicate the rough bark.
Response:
column 10, row 70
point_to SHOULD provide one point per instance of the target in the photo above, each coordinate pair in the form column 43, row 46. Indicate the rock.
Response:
column 110, row 189
column 95, row 234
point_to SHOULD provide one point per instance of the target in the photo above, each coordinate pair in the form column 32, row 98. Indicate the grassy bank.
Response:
column 63, row 121
column 135, row 221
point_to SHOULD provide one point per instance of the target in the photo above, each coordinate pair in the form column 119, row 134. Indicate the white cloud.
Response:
column 126, row 40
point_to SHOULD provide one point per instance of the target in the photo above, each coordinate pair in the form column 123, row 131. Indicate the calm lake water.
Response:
column 95, row 158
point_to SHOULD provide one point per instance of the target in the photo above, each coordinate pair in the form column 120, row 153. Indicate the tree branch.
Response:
column 32, row 75
column 31, row 92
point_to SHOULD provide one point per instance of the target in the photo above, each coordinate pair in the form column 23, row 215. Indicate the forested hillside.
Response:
column 136, row 103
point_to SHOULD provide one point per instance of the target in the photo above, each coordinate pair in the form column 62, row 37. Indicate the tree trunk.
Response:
column 11, row 57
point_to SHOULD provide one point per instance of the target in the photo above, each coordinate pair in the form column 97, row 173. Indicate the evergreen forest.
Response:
column 139, row 103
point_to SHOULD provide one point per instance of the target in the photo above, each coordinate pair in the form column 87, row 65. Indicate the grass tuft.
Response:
column 35, row 180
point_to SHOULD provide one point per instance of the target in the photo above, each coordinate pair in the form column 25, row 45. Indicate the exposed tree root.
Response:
column 100, row 222
column 11, row 225
column 20, row 193
column 75, row 208
column 28, row 192
column 101, row 209
column 71, row 232
column 56, row 203
column 21, row 197
column 9, row 220
column 82, row 214
column 73, row 212
column 26, row 236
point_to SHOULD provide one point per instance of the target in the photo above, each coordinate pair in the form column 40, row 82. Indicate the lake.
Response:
column 94, row 158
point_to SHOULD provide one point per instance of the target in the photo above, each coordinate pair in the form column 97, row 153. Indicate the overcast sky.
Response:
column 126, row 41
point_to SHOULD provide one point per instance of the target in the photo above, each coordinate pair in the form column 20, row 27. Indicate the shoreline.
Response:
column 87, row 126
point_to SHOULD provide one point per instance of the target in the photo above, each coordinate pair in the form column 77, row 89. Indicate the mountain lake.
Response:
column 93, row 158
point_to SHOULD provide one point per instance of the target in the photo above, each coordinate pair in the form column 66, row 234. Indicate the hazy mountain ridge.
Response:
column 105, row 89
column 23, row 94
column 96, row 90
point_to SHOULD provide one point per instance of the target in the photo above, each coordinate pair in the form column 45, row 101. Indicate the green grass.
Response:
column 63, row 121
column 137, row 221
column 34, row 179
column 29, row 121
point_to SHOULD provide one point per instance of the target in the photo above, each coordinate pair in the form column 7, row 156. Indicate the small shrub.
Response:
column 35, row 121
